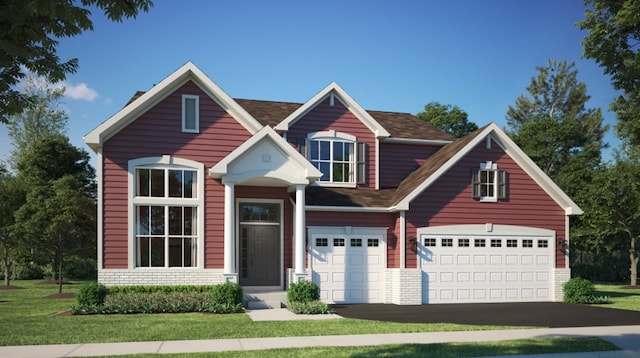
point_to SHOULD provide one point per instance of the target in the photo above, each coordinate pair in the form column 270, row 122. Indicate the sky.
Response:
column 393, row 55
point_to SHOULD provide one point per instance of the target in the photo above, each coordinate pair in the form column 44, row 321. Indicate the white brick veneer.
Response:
column 125, row 277
column 560, row 277
column 403, row 286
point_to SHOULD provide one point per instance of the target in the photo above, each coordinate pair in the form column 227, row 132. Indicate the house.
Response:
column 196, row 187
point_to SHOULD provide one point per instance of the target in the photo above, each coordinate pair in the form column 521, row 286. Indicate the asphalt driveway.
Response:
column 536, row 314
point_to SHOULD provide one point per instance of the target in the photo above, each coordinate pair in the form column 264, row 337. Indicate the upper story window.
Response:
column 488, row 183
column 339, row 157
column 167, row 212
column 190, row 113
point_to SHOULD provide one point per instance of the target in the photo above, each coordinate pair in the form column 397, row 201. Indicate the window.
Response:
column 447, row 242
column 512, row 243
column 430, row 242
column 356, row 242
column 488, row 183
column 190, row 113
column 338, row 242
column 373, row 242
column 479, row 242
column 322, row 242
column 166, row 212
column 337, row 155
column 543, row 243
column 527, row 243
column 463, row 242
column 496, row 243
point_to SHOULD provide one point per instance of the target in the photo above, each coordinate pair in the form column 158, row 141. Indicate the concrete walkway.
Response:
column 625, row 337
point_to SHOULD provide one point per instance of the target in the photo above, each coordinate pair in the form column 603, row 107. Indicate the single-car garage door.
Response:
column 348, row 264
column 486, row 263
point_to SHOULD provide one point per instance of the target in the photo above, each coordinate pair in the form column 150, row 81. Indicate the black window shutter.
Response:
column 502, row 184
column 475, row 183
column 361, row 154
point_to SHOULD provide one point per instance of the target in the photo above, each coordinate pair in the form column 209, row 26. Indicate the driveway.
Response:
column 536, row 314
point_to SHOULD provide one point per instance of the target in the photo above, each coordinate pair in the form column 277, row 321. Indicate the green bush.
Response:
column 81, row 268
column 26, row 271
column 303, row 291
column 228, row 293
column 311, row 307
column 579, row 290
column 92, row 294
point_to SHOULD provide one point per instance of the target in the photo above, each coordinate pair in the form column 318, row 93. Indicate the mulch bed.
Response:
column 534, row 314
column 53, row 282
column 62, row 295
column 10, row 287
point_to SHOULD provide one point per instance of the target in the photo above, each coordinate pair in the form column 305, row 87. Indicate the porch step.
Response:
column 264, row 300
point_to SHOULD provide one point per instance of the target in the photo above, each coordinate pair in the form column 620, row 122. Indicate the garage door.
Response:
column 348, row 268
column 472, row 263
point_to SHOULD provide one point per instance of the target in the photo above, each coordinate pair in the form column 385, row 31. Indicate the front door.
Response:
column 259, row 245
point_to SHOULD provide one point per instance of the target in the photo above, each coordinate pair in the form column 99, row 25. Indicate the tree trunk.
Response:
column 7, row 266
column 633, row 256
column 60, row 266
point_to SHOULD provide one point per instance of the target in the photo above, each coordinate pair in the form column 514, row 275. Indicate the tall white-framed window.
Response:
column 339, row 157
column 488, row 183
column 167, row 212
column 190, row 113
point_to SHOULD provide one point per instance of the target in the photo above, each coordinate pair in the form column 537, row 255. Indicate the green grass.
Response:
column 626, row 299
column 31, row 319
column 441, row 350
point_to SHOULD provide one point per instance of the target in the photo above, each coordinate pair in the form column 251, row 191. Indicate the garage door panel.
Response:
column 481, row 268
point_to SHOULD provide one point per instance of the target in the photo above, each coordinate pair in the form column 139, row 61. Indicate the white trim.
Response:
column 196, row 111
column 100, row 173
column 497, row 230
column 417, row 141
column 349, row 209
column 335, row 91
column 377, row 164
column 188, row 72
column 332, row 134
column 280, row 202
column 403, row 239
column 165, row 161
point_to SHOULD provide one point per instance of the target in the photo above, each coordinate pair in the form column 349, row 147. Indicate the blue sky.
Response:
column 388, row 55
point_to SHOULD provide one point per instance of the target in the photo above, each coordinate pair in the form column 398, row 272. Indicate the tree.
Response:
column 11, row 198
column 59, row 219
column 41, row 119
column 29, row 34
column 448, row 118
column 555, row 129
column 613, row 40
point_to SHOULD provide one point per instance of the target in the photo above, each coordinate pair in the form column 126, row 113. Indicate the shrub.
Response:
column 92, row 294
column 82, row 268
column 228, row 293
column 311, row 307
column 303, row 291
column 578, row 290
column 26, row 271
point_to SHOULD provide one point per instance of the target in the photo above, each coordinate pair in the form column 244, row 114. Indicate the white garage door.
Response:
column 348, row 268
column 478, row 263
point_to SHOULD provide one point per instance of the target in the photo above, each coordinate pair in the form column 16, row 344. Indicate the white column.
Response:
column 403, row 239
column 229, row 229
column 300, row 227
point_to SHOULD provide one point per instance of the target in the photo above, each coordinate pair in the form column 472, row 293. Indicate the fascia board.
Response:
column 345, row 99
column 348, row 209
column 157, row 93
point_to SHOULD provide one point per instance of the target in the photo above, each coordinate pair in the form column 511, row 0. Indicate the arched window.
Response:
column 339, row 157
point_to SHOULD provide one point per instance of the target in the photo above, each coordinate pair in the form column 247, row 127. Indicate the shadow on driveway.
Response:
column 537, row 314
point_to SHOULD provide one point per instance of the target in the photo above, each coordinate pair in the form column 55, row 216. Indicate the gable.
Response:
column 146, row 101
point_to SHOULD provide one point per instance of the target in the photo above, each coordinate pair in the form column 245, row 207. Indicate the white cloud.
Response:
column 80, row 92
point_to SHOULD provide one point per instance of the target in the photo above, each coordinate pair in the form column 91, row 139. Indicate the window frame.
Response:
column 196, row 111
column 167, row 164
column 356, row 163
column 498, row 185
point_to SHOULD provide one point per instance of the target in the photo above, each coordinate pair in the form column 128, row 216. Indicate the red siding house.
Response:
column 196, row 187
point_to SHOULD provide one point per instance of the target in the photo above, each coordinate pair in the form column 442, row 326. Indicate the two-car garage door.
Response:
column 348, row 263
column 485, row 263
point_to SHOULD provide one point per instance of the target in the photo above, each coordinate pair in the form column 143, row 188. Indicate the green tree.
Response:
column 41, row 119
column 29, row 34
column 612, row 41
column 59, row 219
column 11, row 198
column 448, row 118
column 553, row 126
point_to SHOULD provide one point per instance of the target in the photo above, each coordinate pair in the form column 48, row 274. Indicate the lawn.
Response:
column 34, row 320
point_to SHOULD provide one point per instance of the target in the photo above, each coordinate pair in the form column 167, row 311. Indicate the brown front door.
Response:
column 259, row 255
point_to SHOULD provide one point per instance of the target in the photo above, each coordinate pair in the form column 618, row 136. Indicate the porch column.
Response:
column 229, row 229
column 300, row 228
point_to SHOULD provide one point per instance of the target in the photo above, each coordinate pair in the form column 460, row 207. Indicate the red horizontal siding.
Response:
column 158, row 132
column 448, row 201
column 324, row 117
column 397, row 160
column 322, row 218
